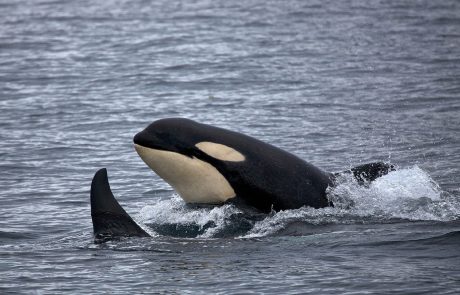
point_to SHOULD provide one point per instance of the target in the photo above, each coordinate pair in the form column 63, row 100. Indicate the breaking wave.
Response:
column 404, row 195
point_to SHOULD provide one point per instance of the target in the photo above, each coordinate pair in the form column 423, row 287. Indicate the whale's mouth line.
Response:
column 139, row 147
column 153, row 147
column 163, row 149
column 147, row 142
column 141, row 139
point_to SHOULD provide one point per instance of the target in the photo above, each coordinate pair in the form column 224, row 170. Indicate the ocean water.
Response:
column 336, row 83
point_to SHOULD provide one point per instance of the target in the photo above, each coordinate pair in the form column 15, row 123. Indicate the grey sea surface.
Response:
column 338, row 83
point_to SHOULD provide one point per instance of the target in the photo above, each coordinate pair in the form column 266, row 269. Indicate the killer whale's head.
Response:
column 187, row 154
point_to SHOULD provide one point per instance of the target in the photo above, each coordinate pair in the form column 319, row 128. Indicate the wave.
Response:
column 450, row 238
column 404, row 195
column 10, row 235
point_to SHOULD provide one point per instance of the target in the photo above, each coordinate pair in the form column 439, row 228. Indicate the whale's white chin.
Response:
column 194, row 180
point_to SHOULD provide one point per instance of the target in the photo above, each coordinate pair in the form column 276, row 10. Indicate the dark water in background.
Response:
column 337, row 83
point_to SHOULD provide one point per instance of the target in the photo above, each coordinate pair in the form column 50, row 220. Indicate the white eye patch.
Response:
column 220, row 151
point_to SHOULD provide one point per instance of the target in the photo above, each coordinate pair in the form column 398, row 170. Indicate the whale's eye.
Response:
column 220, row 151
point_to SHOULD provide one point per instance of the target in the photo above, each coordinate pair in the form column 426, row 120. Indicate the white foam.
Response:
column 408, row 194
column 175, row 211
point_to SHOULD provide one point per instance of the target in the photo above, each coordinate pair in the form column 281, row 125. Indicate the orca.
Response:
column 208, row 165
column 211, row 165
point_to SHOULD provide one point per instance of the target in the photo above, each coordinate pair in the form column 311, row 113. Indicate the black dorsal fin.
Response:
column 368, row 172
column 110, row 220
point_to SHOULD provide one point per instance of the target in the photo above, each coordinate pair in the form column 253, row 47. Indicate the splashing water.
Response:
column 406, row 194
column 174, row 217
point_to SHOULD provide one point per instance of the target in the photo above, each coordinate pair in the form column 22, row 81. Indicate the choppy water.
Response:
column 337, row 83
